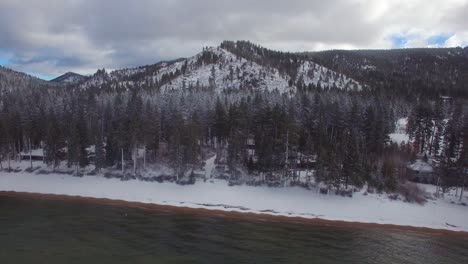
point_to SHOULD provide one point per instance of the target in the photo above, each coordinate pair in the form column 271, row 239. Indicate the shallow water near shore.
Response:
column 35, row 230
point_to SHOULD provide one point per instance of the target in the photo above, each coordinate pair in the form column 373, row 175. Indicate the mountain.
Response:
column 415, row 72
column 11, row 80
column 70, row 78
column 221, row 69
column 244, row 66
column 230, row 71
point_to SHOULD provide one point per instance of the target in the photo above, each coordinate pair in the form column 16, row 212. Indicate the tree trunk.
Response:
column 144, row 158
column 17, row 152
column 287, row 155
column 135, row 156
column 461, row 193
column 9, row 165
column 14, row 151
column 431, row 144
column 30, row 152
column 122, row 162
column 43, row 156
column 462, row 188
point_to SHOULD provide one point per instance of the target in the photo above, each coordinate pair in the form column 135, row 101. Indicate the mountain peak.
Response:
column 70, row 78
column 239, row 65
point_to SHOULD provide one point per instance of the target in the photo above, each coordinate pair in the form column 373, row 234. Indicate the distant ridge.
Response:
column 70, row 78
column 245, row 66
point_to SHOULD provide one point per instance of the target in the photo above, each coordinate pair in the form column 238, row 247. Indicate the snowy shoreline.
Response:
column 233, row 215
column 217, row 195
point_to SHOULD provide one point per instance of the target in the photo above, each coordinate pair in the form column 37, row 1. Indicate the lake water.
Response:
column 55, row 231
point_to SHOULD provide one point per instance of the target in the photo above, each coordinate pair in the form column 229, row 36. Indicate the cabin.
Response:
column 35, row 154
column 420, row 171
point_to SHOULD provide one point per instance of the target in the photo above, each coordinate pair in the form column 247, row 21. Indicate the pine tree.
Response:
column 54, row 142
column 450, row 168
column 151, row 128
column 134, row 129
column 220, row 124
column 420, row 126
column 81, row 127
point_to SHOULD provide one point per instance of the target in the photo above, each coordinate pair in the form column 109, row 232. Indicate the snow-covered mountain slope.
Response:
column 97, row 80
column 312, row 73
column 228, row 72
column 70, row 78
column 220, row 70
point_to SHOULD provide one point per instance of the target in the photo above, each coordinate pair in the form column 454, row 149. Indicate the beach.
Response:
column 291, row 203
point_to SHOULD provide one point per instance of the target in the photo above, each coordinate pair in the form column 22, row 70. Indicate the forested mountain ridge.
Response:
column 70, row 78
column 217, row 68
column 410, row 73
column 11, row 80
column 242, row 65
column 403, row 72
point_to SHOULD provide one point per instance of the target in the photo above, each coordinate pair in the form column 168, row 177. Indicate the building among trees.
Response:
column 420, row 171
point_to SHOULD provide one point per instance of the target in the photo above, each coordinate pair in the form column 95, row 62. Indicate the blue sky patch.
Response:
column 398, row 41
column 41, row 76
column 438, row 40
column 3, row 61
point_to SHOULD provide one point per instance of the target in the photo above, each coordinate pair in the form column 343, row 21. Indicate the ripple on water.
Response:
column 55, row 231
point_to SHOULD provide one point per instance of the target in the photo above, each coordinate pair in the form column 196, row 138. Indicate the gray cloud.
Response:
column 53, row 36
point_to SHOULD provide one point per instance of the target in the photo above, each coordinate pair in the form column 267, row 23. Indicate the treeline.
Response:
column 405, row 73
column 348, row 133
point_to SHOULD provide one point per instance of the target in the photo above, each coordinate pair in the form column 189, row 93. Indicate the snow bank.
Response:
column 400, row 135
column 399, row 138
column 216, row 194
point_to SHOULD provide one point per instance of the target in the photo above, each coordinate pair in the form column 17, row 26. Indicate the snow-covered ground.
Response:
column 216, row 194
column 399, row 138
column 400, row 135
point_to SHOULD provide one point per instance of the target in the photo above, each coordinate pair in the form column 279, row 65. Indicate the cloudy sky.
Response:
column 50, row 37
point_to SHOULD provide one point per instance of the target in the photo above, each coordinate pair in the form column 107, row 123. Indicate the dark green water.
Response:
column 54, row 231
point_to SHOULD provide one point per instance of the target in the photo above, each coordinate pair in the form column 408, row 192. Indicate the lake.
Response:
column 39, row 230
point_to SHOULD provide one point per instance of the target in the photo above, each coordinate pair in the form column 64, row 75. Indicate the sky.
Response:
column 47, row 38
